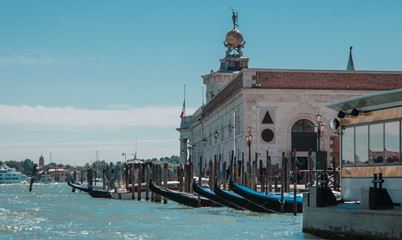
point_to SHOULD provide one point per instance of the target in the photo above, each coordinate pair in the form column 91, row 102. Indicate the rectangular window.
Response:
column 392, row 142
column 361, row 156
column 348, row 146
column 376, row 143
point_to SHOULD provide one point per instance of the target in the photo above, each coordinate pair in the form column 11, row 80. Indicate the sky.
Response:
column 88, row 80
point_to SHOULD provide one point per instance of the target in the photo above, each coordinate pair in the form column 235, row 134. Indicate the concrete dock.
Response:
column 350, row 221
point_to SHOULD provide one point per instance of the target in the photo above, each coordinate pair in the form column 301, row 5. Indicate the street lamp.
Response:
column 319, row 129
column 249, row 139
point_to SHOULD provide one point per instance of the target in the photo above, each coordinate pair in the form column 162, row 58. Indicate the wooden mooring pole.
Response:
column 32, row 178
column 74, row 179
column 139, row 185
column 200, row 172
column 165, row 179
column 283, row 181
column 224, row 175
column 132, row 181
column 294, row 182
column 147, row 178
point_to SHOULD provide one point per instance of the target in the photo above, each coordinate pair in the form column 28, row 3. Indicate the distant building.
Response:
column 58, row 174
column 41, row 161
column 280, row 106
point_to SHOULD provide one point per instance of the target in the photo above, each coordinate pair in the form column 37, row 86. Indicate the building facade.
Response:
column 279, row 105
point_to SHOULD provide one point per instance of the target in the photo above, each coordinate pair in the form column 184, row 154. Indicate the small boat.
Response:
column 187, row 199
column 78, row 186
column 212, row 196
column 99, row 193
column 125, row 194
column 238, row 200
column 271, row 202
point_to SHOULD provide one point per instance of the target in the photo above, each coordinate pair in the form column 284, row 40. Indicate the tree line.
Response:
column 26, row 166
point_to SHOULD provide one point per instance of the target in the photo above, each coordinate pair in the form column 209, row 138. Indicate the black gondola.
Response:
column 271, row 201
column 99, row 193
column 212, row 196
column 238, row 200
column 78, row 186
column 187, row 199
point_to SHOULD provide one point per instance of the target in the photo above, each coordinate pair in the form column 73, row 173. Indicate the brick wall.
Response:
column 293, row 79
column 232, row 88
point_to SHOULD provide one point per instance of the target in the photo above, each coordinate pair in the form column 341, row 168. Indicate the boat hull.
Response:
column 78, row 186
column 95, row 193
column 126, row 195
column 238, row 200
column 187, row 199
column 213, row 197
column 271, row 202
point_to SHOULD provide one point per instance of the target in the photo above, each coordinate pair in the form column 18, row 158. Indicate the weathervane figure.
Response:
column 235, row 18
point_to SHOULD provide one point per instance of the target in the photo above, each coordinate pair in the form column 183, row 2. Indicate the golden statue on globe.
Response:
column 234, row 39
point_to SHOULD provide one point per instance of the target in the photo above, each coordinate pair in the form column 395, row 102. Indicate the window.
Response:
column 348, row 146
column 303, row 126
column 376, row 143
column 361, row 155
column 303, row 136
column 392, row 142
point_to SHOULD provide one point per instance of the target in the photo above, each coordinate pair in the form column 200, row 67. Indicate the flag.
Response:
column 183, row 109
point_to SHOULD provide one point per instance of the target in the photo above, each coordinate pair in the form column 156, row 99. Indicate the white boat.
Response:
column 10, row 175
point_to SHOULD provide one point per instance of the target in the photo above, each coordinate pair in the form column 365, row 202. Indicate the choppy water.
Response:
column 53, row 212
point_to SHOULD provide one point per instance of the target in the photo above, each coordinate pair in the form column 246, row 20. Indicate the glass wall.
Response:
column 361, row 155
column 392, row 142
column 348, row 146
column 374, row 143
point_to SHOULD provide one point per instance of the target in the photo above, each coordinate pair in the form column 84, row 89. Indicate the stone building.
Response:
column 280, row 106
column 41, row 161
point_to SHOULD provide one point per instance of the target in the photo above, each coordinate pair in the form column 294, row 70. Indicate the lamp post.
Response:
column 249, row 139
column 125, row 158
column 319, row 129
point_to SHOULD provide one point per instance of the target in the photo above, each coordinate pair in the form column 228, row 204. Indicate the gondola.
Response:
column 187, row 199
column 78, row 186
column 212, row 196
column 271, row 201
column 99, row 193
column 238, row 200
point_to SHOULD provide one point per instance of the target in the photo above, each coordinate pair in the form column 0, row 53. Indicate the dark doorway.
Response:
column 303, row 136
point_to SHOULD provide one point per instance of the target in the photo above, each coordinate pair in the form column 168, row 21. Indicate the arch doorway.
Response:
column 303, row 138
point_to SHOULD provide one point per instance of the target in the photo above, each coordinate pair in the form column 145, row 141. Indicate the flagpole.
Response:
column 184, row 103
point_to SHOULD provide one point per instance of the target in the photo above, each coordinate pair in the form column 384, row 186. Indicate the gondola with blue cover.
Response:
column 272, row 201
column 207, row 193
column 238, row 200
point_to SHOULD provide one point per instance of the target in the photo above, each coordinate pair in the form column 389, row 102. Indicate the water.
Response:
column 53, row 212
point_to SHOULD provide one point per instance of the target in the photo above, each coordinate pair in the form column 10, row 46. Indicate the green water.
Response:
column 53, row 212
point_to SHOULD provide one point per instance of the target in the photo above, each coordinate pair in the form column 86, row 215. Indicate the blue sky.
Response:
column 84, row 76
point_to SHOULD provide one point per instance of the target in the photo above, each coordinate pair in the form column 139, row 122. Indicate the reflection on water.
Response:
column 53, row 211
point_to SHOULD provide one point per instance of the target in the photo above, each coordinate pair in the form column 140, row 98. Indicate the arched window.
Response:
column 303, row 136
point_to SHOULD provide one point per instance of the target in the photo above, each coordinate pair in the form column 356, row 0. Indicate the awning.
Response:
column 370, row 102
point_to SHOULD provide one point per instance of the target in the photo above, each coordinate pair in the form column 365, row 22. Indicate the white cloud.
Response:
column 39, row 57
column 148, row 116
